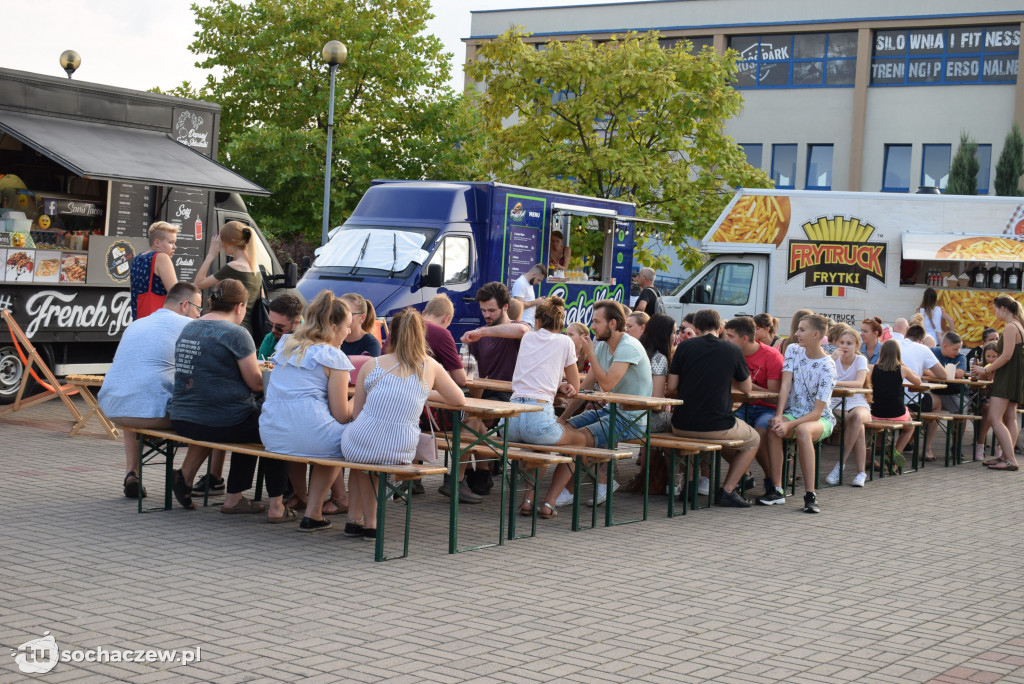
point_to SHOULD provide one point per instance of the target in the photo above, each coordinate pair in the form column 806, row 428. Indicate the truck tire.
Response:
column 11, row 370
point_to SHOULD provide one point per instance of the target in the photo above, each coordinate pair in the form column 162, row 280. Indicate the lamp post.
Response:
column 70, row 61
column 334, row 54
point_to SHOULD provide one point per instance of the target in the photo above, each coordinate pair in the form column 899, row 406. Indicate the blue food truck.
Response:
column 409, row 240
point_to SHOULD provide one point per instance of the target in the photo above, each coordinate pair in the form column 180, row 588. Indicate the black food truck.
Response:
column 84, row 170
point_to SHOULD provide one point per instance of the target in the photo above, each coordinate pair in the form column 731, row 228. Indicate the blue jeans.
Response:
column 536, row 427
column 757, row 417
column 597, row 422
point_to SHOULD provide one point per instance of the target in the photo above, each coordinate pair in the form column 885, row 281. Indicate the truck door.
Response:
column 455, row 256
column 733, row 287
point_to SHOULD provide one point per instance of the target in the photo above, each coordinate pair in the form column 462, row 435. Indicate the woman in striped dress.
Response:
column 390, row 395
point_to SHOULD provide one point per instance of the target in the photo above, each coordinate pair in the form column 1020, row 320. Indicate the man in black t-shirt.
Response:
column 649, row 300
column 704, row 372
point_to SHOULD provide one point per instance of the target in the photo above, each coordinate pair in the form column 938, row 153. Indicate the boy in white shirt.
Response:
column 803, row 413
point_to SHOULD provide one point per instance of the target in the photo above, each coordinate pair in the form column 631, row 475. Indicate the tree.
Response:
column 1011, row 164
column 963, row 172
column 624, row 119
column 395, row 116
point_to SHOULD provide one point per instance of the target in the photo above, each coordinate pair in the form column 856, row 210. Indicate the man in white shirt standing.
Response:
column 523, row 290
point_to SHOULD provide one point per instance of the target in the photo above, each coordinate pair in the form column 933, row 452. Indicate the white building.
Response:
column 870, row 95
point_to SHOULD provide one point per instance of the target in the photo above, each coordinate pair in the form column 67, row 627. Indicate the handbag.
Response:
column 147, row 302
column 259, row 322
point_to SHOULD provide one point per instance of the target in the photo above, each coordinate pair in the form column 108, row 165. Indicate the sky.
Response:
column 144, row 43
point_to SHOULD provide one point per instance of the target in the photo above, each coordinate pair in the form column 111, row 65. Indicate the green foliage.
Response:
column 625, row 119
column 1011, row 164
column 395, row 116
column 963, row 172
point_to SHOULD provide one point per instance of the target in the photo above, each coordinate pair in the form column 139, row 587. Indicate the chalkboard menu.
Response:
column 187, row 207
column 131, row 209
column 524, row 222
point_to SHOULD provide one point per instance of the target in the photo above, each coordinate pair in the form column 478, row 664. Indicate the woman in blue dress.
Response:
column 307, row 402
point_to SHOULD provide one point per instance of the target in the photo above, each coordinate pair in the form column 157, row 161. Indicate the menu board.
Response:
column 131, row 209
column 524, row 219
column 187, row 208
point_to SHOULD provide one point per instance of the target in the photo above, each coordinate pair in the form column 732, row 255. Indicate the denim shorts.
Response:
column 757, row 417
column 598, row 420
column 536, row 427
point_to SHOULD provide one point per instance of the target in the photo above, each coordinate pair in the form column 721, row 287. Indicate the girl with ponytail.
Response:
column 545, row 358
column 238, row 242
column 307, row 403
column 1007, row 375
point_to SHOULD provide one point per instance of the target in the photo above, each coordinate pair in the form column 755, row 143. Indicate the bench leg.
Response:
column 150, row 449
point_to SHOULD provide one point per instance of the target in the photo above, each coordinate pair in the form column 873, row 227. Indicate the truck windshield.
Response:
column 375, row 251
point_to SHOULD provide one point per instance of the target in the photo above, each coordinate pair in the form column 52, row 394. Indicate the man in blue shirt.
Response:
column 949, row 398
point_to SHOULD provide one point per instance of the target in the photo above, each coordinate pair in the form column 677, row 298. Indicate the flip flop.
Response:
column 288, row 516
column 547, row 511
column 339, row 507
column 992, row 461
column 526, row 508
column 243, row 506
column 1004, row 466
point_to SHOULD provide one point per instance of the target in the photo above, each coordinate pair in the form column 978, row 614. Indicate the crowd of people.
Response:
column 199, row 373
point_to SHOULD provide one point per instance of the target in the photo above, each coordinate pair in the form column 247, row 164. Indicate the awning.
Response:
column 961, row 247
column 576, row 210
column 111, row 152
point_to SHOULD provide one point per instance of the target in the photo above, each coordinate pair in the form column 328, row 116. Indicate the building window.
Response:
column 946, row 55
column 784, row 166
column 801, row 60
column 896, row 172
column 754, row 152
column 819, row 167
column 698, row 43
column 983, row 153
column 935, row 166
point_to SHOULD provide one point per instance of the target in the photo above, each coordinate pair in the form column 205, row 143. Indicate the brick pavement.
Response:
column 912, row 579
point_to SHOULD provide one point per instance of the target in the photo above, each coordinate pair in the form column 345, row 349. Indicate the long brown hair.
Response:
column 408, row 341
column 928, row 301
column 325, row 311
column 240, row 236
column 1012, row 305
column 889, row 357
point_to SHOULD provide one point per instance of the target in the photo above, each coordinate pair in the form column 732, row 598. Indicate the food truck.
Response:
column 84, row 170
column 850, row 255
column 409, row 240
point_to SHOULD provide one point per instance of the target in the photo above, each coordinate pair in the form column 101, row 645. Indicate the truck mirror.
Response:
column 291, row 275
column 686, row 297
column 433, row 276
column 305, row 263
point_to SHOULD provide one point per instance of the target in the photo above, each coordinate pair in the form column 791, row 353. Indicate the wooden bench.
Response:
column 82, row 383
column 156, row 443
column 692, row 450
column 954, row 433
column 888, row 428
column 582, row 459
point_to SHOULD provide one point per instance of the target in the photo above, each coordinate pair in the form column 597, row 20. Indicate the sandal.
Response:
column 992, row 461
column 1003, row 465
column 526, row 508
column 339, row 507
column 296, row 503
column 131, row 486
column 288, row 516
column 243, row 506
column 547, row 511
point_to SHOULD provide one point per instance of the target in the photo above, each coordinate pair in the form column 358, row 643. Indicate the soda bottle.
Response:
column 199, row 229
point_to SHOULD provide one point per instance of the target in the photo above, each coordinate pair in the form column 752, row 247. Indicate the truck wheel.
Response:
column 11, row 370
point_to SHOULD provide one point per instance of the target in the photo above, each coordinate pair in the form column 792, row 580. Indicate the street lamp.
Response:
column 69, row 61
column 334, row 54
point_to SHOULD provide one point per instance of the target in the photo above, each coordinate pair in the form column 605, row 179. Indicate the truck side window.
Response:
column 732, row 285
column 453, row 255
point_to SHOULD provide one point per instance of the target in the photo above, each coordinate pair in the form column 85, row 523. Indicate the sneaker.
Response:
column 564, row 498
column 417, row 487
column 768, row 487
column 216, row 485
column 310, row 525
column 747, row 482
column 602, row 493
column 811, row 503
column 704, row 486
column 467, row 495
column 443, row 490
column 859, row 480
column 731, row 499
column 776, row 496
column 833, row 477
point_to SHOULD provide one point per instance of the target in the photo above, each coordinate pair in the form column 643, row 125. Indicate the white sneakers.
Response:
column 602, row 493
column 833, row 477
column 564, row 498
column 678, row 488
column 859, row 480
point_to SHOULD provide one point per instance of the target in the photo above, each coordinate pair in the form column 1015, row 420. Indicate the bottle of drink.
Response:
column 471, row 367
